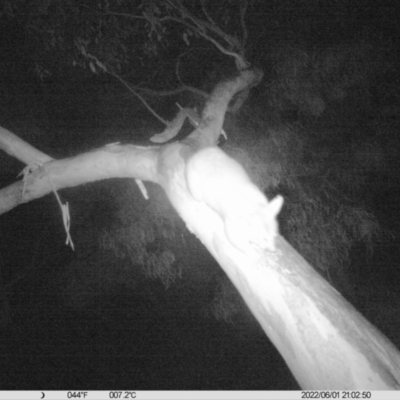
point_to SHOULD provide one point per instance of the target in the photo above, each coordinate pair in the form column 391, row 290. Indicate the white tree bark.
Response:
column 325, row 342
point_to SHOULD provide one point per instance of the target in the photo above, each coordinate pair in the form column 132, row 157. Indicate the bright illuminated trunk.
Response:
column 325, row 342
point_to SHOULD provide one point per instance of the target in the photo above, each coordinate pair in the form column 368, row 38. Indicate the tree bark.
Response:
column 325, row 342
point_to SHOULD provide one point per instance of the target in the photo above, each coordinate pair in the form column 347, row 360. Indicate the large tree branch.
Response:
column 111, row 161
column 21, row 150
column 325, row 342
column 212, row 119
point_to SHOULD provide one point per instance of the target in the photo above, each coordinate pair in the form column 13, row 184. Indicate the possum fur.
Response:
column 220, row 182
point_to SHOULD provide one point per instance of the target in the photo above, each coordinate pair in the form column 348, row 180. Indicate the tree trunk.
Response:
column 325, row 342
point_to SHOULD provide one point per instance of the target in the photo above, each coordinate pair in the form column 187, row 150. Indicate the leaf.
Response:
column 92, row 67
column 101, row 65
column 186, row 39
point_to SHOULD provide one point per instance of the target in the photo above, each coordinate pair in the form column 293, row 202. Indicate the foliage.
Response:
column 144, row 233
column 308, row 81
column 125, row 37
column 225, row 305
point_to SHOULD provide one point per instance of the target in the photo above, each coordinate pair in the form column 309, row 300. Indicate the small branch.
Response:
column 203, row 6
column 201, row 26
column 120, row 14
column 200, row 32
column 212, row 27
column 126, row 84
column 196, row 91
column 175, row 91
column 243, row 10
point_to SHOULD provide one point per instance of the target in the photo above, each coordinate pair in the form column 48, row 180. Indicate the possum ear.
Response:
column 275, row 205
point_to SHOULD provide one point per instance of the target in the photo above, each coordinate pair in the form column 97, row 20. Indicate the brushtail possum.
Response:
column 219, row 181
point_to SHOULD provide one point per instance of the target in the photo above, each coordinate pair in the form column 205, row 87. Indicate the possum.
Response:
column 221, row 183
